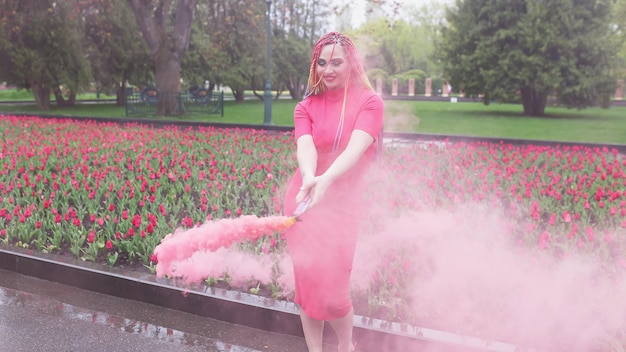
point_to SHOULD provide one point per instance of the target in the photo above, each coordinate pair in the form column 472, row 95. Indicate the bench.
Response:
column 198, row 101
column 151, row 95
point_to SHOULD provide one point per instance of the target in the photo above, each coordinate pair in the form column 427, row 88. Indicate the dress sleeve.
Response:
column 370, row 118
column 301, row 121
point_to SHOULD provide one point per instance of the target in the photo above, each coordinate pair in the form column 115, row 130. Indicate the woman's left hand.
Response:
column 314, row 188
column 320, row 185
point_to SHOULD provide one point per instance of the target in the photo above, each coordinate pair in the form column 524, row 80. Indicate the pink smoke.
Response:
column 467, row 278
column 455, row 268
column 185, row 253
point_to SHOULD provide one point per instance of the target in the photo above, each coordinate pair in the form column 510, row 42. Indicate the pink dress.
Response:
column 322, row 244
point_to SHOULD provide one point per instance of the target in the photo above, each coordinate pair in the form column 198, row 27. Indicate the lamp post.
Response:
column 267, row 119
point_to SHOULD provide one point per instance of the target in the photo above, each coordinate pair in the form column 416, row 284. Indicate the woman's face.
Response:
column 332, row 66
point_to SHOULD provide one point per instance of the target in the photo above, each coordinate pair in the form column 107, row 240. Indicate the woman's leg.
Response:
column 343, row 329
column 313, row 332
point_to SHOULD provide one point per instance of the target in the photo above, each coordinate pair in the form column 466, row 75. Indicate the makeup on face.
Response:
column 332, row 66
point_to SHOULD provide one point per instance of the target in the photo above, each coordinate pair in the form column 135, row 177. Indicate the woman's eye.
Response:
column 322, row 63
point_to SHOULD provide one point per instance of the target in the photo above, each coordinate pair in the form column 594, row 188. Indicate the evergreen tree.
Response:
column 503, row 50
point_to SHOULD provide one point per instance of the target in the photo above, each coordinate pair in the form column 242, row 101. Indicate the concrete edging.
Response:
column 239, row 308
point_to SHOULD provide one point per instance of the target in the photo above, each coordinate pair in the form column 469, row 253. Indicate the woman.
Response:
column 336, row 127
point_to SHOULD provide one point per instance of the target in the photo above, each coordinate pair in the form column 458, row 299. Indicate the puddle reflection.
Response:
column 10, row 297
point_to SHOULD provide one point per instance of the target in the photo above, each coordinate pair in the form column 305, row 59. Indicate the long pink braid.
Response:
column 357, row 73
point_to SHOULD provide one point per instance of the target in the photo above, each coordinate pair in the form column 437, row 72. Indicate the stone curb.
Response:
column 240, row 308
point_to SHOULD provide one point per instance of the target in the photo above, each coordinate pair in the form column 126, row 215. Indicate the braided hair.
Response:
column 357, row 74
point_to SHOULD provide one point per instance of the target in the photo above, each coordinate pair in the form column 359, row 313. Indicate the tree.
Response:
column 166, row 28
column 42, row 49
column 501, row 50
column 401, row 45
column 116, row 50
column 196, row 67
column 297, row 25
column 293, row 54
column 620, row 20
column 233, row 43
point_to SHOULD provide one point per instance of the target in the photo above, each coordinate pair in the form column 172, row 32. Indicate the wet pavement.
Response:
column 39, row 315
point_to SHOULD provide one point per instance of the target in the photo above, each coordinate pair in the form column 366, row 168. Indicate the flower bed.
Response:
column 493, row 240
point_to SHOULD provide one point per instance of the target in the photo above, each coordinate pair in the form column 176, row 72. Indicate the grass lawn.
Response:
column 248, row 112
column 594, row 125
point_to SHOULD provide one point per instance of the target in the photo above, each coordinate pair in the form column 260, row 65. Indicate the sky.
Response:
column 358, row 7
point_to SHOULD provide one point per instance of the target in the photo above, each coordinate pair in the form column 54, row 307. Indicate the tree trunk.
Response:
column 534, row 101
column 168, row 40
column 239, row 95
column 294, row 86
column 120, row 99
column 167, row 77
column 41, row 92
column 60, row 98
